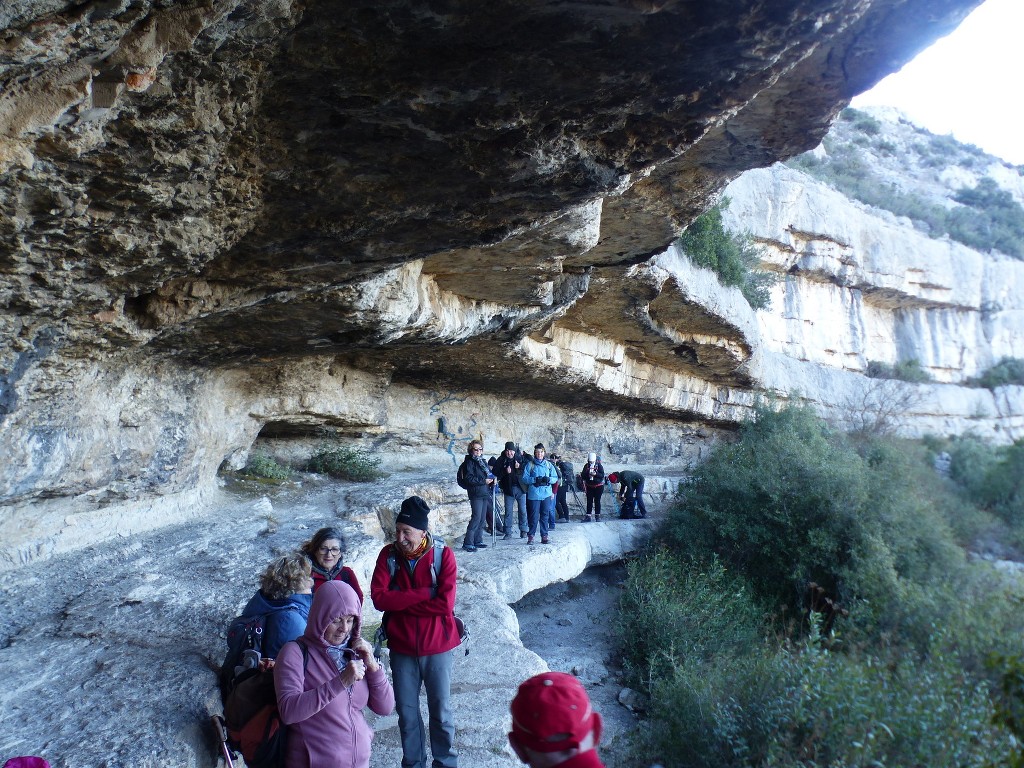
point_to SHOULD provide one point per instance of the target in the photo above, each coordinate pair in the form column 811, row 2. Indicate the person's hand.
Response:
column 353, row 672
column 365, row 652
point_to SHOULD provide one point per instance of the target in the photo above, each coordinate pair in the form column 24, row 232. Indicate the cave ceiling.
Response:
column 233, row 181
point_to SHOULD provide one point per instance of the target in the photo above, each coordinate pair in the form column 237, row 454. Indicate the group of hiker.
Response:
column 536, row 486
column 298, row 673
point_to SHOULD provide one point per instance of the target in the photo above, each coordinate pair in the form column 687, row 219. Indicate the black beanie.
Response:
column 414, row 513
column 510, row 446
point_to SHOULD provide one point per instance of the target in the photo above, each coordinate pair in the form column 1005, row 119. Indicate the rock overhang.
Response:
column 193, row 189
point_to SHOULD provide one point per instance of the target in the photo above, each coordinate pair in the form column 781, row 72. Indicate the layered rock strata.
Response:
column 202, row 202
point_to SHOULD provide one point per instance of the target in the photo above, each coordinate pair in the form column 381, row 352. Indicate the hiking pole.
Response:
column 575, row 495
column 494, row 516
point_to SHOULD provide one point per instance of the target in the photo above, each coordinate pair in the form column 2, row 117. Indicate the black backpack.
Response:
column 245, row 646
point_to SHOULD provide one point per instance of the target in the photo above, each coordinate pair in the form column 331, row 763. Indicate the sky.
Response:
column 968, row 83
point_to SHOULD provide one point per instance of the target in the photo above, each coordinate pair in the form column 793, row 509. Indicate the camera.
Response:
column 542, row 480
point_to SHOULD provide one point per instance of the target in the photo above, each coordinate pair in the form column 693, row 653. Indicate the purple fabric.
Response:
column 326, row 727
column 26, row 762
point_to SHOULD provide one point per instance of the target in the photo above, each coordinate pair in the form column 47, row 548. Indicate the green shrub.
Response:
column 345, row 463
column 677, row 609
column 794, row 502
column 265, row 467
column 809, row 707
column 1008, row 371
column 1004, row 485
column 970, row 459
column 906, row 370
column 781, row 506
column 901, row 682
column 732, row 257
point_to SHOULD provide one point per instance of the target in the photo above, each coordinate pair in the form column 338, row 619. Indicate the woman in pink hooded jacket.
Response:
column 321, row 697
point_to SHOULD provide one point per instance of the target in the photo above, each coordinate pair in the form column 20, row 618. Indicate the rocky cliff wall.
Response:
column 862, row 285
column 207, row 207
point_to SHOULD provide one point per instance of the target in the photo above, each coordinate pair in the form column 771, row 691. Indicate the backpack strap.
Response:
column 435, row 564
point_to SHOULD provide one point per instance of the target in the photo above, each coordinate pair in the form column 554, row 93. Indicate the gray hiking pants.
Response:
column 409, row 674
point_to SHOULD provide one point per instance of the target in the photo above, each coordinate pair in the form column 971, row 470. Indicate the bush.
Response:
column 794, row 502
column 808, row 706
column 732, row 257
column 345, row 463
column 781, row 506
column 902, row 682
column 906, row 370
column 1008, row 371
column 264, row 467
column 676, row 609
column 1004, row 486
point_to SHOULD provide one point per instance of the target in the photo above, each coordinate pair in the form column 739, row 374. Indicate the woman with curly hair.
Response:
column 326, row 549
column 285, row 595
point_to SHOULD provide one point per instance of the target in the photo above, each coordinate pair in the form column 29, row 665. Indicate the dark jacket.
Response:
column 629, row 479
column 472, row 476
column 509, row 481
column 565, row 469
column 597, row 481
column 420, row 623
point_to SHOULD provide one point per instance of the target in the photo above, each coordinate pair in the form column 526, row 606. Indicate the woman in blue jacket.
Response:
column 285, row 595
column 539, row 476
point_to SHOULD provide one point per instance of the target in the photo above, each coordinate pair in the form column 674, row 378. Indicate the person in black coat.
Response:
column 475, row 476
column 565, row 469
column 509, row 470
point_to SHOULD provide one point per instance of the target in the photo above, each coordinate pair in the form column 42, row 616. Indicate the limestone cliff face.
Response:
column 223, row 216
column 862, row 285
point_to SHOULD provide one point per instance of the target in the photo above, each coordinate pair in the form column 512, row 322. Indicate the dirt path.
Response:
column 569, row 625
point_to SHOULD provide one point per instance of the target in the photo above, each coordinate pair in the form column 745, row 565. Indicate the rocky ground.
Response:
column 109, row 655
column 570, row 625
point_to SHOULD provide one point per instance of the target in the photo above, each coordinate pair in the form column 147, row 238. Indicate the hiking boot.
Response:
column 480, row 545
column 544, row 540
column 598, row 518
column 522, row 534
column 506, row 537
column 587, row 519
column 469, row 549
column 530, row 540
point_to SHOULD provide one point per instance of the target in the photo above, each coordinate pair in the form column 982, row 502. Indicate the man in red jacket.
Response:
column 554, row 724
column 418, row 606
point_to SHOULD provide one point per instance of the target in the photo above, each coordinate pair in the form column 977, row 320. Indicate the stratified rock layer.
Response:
column 214, row 215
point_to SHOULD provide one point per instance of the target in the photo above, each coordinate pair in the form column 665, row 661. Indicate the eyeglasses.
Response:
column 329, row 550
column 478, row 450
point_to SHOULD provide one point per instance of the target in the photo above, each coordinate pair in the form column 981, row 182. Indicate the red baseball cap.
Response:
column 551, row 712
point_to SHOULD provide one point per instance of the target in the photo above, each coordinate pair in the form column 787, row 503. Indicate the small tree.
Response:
column 880, row 408
column 734, row 258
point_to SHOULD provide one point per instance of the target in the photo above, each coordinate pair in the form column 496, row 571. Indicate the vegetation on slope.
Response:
column 733, row 257
column 810, row 603
column 984, row 217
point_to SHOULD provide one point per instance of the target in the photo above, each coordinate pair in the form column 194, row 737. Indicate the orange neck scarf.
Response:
column 418, row 552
